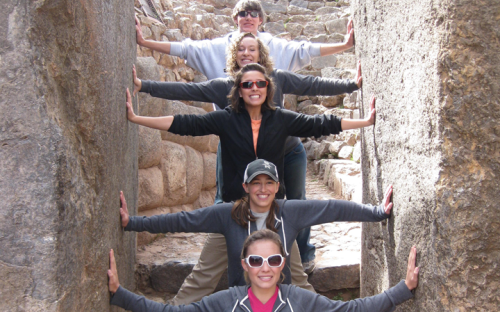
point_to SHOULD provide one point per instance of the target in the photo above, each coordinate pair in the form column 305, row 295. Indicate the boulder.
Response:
column 346, row 152
column 294, row 29
column 350, row 101
column 299, row 3
column 324, row 61
column 206, row 199
column 346, row 61
column 313, row 29
column 335, row 147
column 150, row 188
column 313, row 110
column 209, row 162
column 338, row 26
column 66, row 151
column 173, row 168
column 274, row 28
column 290, row 102
column 296, row 10
column 330, row 101
column 311, row 148
column 194, row 175
column 356, row 154
column 149, row 154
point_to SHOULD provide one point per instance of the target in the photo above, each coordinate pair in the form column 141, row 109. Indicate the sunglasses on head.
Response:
column 258, row 261
column 245, row 13
column 249, row 84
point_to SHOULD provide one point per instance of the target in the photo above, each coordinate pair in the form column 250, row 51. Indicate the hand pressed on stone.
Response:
column 113, row 283
column 358, row 79
column 124, row 210
column 387, row 200
column 371, row 117
column 411, row 280
column 137, row 81
column 130, row 109
column 349, row 37
column 138, row 31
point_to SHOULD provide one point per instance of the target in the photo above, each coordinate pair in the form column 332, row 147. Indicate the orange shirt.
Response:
column 255, row 130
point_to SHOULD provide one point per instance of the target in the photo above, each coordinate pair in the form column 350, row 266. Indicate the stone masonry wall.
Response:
column 434, row 67
column 66, row 150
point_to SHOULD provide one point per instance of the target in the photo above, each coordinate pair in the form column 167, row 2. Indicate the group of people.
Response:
column 259, row 236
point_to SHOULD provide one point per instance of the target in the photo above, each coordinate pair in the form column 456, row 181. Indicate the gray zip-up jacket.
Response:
column 290, row 299
column 291, row 217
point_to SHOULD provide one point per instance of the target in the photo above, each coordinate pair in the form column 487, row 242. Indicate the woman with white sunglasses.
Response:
column 263, row 259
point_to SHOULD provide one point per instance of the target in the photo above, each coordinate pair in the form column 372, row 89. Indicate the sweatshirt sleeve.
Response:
column 384, row 302
column 206, row 56
column 212, row 91
column 211, row 219
column 291, row 55
column 303, row 214
column 310, row 85
column 301, row 125
column 198, row 125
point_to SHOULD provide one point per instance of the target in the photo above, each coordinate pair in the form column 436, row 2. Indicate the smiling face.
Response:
column 253, row 97
column 261, row 191
column 248, row 23
column 248, row 52
column 265, row 277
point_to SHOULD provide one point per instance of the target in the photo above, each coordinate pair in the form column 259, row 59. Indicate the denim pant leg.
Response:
column 295, row 183
column 218, row 177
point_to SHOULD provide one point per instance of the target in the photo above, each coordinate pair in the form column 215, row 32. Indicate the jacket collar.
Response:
column 244, row 303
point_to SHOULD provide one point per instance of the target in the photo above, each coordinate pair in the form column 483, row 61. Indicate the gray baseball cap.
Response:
column 260, row 166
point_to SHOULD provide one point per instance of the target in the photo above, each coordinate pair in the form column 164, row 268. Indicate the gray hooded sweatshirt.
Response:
column 290, row 299
column 291, row 217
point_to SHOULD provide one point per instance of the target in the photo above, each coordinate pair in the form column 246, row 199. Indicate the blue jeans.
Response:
column 295, row 183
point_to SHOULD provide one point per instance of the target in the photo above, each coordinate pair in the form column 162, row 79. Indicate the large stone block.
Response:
column 173, row 168
column 194, row 175
column 437, row 145
column 149, row 154
column 209, row 162
column 66, row 150
column 150, row 188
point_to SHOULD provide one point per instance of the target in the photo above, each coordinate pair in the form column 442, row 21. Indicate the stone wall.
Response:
column 434, row 67
column 66, row 150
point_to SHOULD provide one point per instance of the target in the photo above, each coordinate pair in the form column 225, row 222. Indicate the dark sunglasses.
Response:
column 249, row 84
column 258, row 261
column 253, row 14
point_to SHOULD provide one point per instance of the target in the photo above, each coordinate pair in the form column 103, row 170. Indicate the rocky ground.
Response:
column 171, row 257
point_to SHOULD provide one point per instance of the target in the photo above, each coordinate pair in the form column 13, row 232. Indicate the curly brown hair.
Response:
column 237, row 103
column 232, row 66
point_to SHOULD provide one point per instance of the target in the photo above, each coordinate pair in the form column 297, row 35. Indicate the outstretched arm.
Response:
column 348, row 124
column 160, row 46
column 327, row 49
column 160, row 123
column 384, row 302
column 137, row 81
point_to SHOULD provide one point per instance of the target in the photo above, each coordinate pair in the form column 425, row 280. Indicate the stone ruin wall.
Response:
column 169, row 177
column 435, row 69
column 66, row 150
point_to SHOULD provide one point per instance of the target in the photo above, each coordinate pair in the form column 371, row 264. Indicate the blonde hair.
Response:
column 234, row 95
column 232, row 67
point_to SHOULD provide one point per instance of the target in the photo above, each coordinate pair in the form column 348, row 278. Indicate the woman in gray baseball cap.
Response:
column 258, row 209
